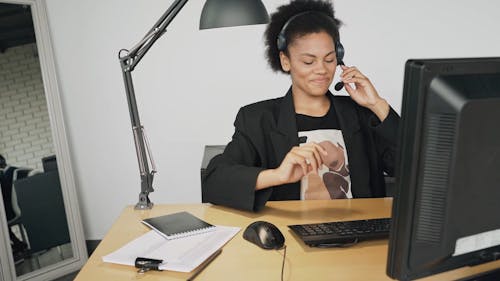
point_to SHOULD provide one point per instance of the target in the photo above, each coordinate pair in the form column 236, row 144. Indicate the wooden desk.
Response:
column 241, row 260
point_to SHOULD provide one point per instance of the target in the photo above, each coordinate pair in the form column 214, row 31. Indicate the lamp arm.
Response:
column 128, row 62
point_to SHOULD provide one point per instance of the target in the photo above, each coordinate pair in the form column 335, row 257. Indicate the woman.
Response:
column 308, row 144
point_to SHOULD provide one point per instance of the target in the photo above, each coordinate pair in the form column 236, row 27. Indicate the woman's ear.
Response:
column 285, row 62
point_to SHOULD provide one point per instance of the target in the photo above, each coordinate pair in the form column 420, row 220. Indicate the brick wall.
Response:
column 25, row 135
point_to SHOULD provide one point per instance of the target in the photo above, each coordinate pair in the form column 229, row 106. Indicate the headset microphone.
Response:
column 340, row 84
column 340, row 51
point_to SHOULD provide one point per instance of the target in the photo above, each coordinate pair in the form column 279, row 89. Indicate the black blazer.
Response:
column 266, row 131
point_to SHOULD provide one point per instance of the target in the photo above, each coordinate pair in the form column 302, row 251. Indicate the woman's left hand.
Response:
column 364, row 94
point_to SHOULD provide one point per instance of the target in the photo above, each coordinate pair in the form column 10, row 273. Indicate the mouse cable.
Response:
column 283, row 264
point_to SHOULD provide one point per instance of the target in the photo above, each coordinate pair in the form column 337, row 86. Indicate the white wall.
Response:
column 191, row 83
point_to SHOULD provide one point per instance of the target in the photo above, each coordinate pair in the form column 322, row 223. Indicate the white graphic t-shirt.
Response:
column 333, row 180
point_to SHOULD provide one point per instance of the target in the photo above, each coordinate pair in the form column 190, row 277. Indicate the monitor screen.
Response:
column 447, row 201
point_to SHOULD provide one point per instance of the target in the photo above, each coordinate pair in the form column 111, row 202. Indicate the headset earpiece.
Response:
column 339, row 50
column 281, row 41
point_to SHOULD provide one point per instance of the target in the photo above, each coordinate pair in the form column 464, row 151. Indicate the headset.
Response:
column 339, row 49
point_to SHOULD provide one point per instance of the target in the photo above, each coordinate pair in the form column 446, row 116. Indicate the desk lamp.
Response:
column 216, row 13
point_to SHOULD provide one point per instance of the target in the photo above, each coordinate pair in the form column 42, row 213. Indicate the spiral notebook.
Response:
column 178, row 225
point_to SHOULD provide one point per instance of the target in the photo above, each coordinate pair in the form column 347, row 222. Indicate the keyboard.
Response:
column 343, row 233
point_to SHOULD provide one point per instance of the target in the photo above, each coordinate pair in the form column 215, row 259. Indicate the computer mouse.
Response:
column 265, row 235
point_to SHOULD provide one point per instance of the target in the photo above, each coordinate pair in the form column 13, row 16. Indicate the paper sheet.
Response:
column 183, row 254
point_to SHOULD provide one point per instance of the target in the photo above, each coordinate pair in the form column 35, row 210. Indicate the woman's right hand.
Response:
column 298, row 162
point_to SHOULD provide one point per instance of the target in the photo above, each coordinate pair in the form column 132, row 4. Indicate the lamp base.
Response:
column 144, row 202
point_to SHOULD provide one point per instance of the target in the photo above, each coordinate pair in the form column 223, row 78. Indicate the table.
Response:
column 241, row 260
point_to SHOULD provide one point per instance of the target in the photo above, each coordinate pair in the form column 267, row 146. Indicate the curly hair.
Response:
column 303, row 24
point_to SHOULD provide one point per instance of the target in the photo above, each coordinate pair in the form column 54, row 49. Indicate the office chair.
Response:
column 19, row 173
column 209, row 152
column 43, row 214
column 49, row 163
column 6, row 184
column 13, row 213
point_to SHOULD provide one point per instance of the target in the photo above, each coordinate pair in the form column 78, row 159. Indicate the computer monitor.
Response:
column 447, row 201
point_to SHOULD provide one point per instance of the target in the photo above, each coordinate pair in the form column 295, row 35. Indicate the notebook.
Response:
column 182, row 255
column 178, row 225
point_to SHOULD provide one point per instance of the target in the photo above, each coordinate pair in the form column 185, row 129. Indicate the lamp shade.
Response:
column 225, row 13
